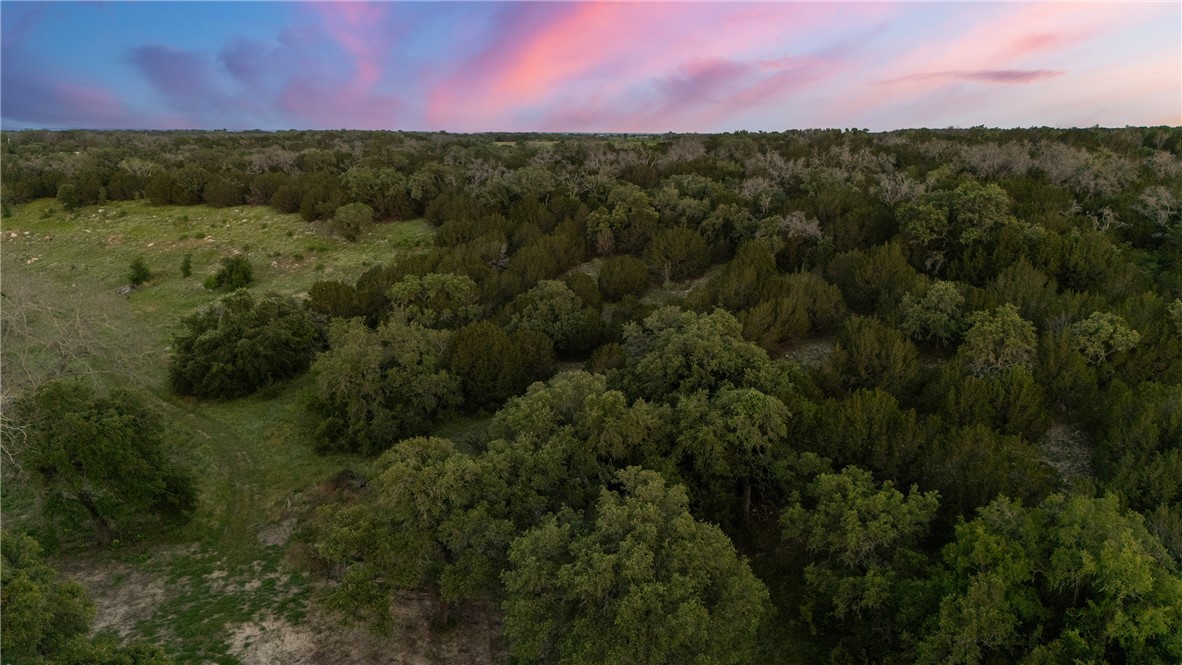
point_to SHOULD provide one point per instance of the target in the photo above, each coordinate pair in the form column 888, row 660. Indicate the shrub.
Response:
column 622, row 275
column 240, row 345
column 236, row 273
column 138, row 272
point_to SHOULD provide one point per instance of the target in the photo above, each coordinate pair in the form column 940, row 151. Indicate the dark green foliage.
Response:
column 102, row 457
column 334, row 299
column 605, row 358
column 350, row 221
column 42, row 611
column 869, row 430
column 553, row 309
column 973, row 465
column 585, row 287
column 1140, row 446
column 235, row 273
column 374, row 387
column 622, row 275
column 489, row 364
column 677, row 253
column 869, row 354
column 873, row 281
column 743, row 280
column 1010, row 402
column 637, row 580
column 46, row 618
column 138, row 272
column 240, row 345
column 187, row 265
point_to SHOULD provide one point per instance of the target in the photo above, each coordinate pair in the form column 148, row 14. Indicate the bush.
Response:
column 236, row 273
column 138, row 272
column 240, row 345
column 187, row 265
column 351, row 220
column 622, row 275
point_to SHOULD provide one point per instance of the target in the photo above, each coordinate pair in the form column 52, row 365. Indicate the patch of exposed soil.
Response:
column 123, row 593
column 475, row 639
column 811, row 353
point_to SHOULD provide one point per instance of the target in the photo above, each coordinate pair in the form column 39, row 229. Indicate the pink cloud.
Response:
column 636, row 61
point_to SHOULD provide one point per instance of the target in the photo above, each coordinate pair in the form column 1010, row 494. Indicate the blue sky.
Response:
column 588, row 66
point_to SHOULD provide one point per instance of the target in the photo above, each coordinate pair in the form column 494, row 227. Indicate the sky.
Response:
column 588, row 66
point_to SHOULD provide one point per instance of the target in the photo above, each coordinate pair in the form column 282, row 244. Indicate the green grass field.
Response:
column 61, row 275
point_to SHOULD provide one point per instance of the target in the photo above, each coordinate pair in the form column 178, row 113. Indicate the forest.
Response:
column 818, row 396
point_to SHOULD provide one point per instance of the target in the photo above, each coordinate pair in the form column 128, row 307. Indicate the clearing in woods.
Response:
column 221, row 589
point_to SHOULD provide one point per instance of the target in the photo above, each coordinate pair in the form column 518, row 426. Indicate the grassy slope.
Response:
column 253, row 454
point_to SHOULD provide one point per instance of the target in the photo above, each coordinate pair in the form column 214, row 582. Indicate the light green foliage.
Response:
column 943, row 224
column 997, row 341
column 935, row 315
column 1104, row 334
column 42, row 612
column 103, row 454
column 639, row 582
column 862, row 543
column 416, row 530
column 241, row 344
column 1075, row 575
column 1175, row 312
column 553, row 309
column 674, row 353
column 579, row 405
column 436, row 300
column 138, row 272
column 375, row 387
column 350, row 221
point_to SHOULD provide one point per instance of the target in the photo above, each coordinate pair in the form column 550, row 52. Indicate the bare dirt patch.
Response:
column 1065, row 448
column 123, row 594
column 475, row 639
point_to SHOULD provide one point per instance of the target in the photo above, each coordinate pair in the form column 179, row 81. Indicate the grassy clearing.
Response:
column 61, row 277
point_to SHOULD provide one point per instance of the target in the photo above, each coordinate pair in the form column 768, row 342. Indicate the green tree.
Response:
column 489, row 364
column 552, row 308
column 42, row 611
column 1075, row 579
column 103, row 454
column 870, row 354
column 623, row 275
column 46, row 618
column 862, row 542
column 436, row 300
column 235, row 273
column 241, row 344
column 350, row 221
column 997, row 341
column 870, row 430
column 935, row 315
column 138, row 272
column 374, row 387
column 640, row 581
column 1104, row 334
column 677, row 253
column 673, row 353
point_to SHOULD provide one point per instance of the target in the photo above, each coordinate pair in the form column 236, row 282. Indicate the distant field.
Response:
column 61, row 277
